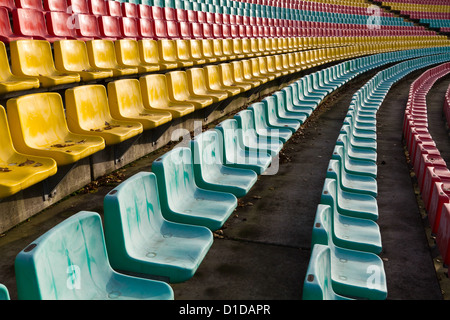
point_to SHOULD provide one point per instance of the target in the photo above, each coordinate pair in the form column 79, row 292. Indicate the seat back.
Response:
column 212, row 77
column 196, row 79
column 124, row 97
column 5, row 70
column 148, row 51
column 4, row 293
column 29, row 23
column 36, row 120
column 207, row 154
column 78, row 6
column 129, row 28
column 127, row 52
column 31, row 58
column 101, row 53
column 5, row 24
column 110, row 27
column 71, row 55
column 87, row 26
column 177, row 81
column 154, row 91
column 68, row 262
column 7, row 149
column 57, row 24
column 228, row 132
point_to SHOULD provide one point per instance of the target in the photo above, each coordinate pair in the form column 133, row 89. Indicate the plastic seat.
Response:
column 70, row 262
column 78, row 6
column 129, row 28
column 114, row 8
column 360, row 167
column 293, row 103
column 146, row 29
column 169, row 54
column 337, row 274
column 273, row 115
column 214, row 82
column 227, row 79
column 194, row 49
column 4, row 293
column 6, row 33
column 109, row 28
column 88, row 113
column 140, row 240
column 257, row 72
column 34, row 58
column 182, row 200
column 87, row 27
column 127, row 53
column 19, row 171
column 443, row 233
column 197, row 85
column 262, row 125
column 248, row 73
column 10, row 82
column 38, row 127
column 208, row 50
column 58, row 26
column 253, row 141
column 31, row 23
column 102, row 56
column 155, row 96
column 149, row 54
column 238, row 75
column 179, row 91
column 98, row 7
column 125, row 102
column 71, row 57
column 209, row 171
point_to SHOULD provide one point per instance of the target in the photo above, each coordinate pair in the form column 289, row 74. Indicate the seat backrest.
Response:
column 177, row 81
column 228, row 132
column 207, row 154
column 7, row 149
column 260, row 115
column 5, row 70
column 154, row 91
column 58, row 26
column 130, row 10
column 98, row 7
column 226, row 74
column 129, row 27
column 101, row 53
column 196, row 79
column 146, row 29
column 71, row 55
column 36, row 120
column 9, row 5
column 148, row 51
column 114, row 8
column 87, row 107
column 5, row 25
column 30, row 4
column 4, row 293
column 87, row 26
column 68, row 262
column 78, row 6
column 125, row 98
column 31, row 57
column 109, row 27
column 29, row 22
column 127, row 52
column 212, row 77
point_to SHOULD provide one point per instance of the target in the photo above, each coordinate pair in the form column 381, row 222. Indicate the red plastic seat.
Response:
column 6, row 33
column 57, row 25
column 440, row 195
column 114, row 8
column 130, row 10
column 185, row 30
column 78, row 6
column 181, row 15
column 87, row 27
column 173, row 29
column 146, row 29
column 31, row 23
column 30, row 4
column 129, row 28
column 170, row 14
column 55, row 5
column 157, row 13
column 97, row 7
column 145, row 12
column 109, row 27
column 8, row 4
column 443, row 234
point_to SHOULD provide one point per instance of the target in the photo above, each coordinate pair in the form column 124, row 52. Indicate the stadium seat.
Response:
column 58, row 26
column 125, row 102
column 282, row 108
column 273, row 115
column 10, row 82
column 6, row 33
column 197, row 85
column 88, row 113
column 155, row 96
column 140, row 240
column 149, row 54
column 38, row 127
column 70, row 262
column 209, row 171
column 360, row 167
column 71, row 57
column 114, row 8
column 102, row 56
column 171, row 56
column 238, row 75
column 30, row 4
column 4, row 293
column 97, row 7
column 127, row 53
column 262, row 125
column 227, row 78
column 290, row 97
column 31, row 23
column 214, row 81
column 9, row 5
column 130, row 28
column 179, row 91
column 234, row 154
column 247, row 69
column 19, row 171
column 34, row 58
column 182, row 200
column 146, row 29
column 86, row 27
column 194, row 49
column 109, row 27
column 78, row 6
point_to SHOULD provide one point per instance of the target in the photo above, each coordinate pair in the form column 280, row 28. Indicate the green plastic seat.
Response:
column 234, row 153
column 263, row 126
column 356, row 152
column 141, row 241
column 364, row 142
column 293, row 104
column 361, row 167
column 344, row 231
column 351, row 204
column 283, row 112
column 209, row 171
column 251, row 139
column 4, row 293
column 273, row 116
column 182, row 200
column 338, row 273
column 70, row 262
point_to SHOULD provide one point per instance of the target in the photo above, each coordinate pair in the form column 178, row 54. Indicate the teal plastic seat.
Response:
column 364, row 142
column 182, row 200
column 4, row 293
column 296, row 106
column 140, row 241
column 251, row 139
column 351, row 204
column 361, row 167
column 273, row 117
column 234, row 154
column 262, row 125
column 283, row 111
column 70, row 262
column 209, row 171
column 356, row 152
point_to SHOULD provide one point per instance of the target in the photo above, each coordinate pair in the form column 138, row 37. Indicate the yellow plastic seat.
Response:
column 197, row 84
column 270, row 66
column 259, row 68
column 226, row 76
column 237, row 48
column 292, row 63
column 149, row 52
column 213, row 81
column 250, row 74
column 127, row 53
column 254, row 45
column 71, row 57
column 170, row 52
column 238, row 75
column 177, row 81
column 10, row 82
column 208, row 50
column 87, row 112
column 227, row 47
column 247, row 48
column 195, row 51
column 19, row 171
column 102, row 55
column 280, row 66
column 218, row 50
column 34, row 58
column 38, row 127
column 155, row 96
column 125, row 103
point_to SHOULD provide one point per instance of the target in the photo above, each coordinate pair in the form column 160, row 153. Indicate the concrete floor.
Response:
column 263, row 251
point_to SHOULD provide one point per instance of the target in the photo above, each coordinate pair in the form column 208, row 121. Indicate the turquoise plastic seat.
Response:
column 182, row 200
column 139, row 240
column 344, row 231
column 70, row 262
column 361, row 167
column 317, row 284
column 251, row 139
column 262, row 125
column 296, row 105
column 364, row 142
column 4, row 293
column 283, row 111
column 351, row 182
column 356, row 152
column 234, row 154
column 274, row 120
column 209, row 171
column 351, row 204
